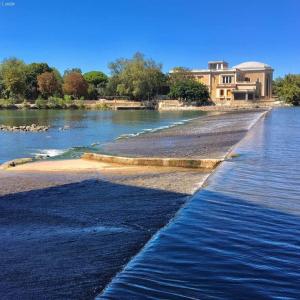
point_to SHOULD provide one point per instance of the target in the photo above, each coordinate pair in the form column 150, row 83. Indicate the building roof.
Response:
column 248, row 65
column 252, row 65
column 217, row 61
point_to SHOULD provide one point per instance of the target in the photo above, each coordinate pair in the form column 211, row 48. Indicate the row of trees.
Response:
column 21, row 81
column 142, row 79
column 137, row 78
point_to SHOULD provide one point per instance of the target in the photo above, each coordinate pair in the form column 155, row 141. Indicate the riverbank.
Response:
column 60, row 103
column 79, row 222
column 162, row 105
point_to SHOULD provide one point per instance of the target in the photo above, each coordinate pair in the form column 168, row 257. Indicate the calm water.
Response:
column 85, row 130
column 239, row 238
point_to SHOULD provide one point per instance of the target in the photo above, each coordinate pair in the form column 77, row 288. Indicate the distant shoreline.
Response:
column 140, row 105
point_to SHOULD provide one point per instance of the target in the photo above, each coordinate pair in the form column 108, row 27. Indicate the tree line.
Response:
column 136, row 78
column 21, row 81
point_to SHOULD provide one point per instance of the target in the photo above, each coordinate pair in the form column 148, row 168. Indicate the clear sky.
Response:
column 90, row 33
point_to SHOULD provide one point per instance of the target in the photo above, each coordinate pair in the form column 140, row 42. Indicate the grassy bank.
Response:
column 52, row 103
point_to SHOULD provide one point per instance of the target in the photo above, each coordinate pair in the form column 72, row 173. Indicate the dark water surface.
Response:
column 84, row 130
column 68, row 241
column 238, row 238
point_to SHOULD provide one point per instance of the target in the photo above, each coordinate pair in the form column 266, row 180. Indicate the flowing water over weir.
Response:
column 73, row 132
column 239, row 237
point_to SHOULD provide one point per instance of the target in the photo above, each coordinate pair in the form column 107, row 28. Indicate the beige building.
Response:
column 248, row 81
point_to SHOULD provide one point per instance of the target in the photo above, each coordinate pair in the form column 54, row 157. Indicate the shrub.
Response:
column 101, row 106
column 67, row 102
column 67, row 97
column 54, row 102
column 188, row 90
column 7, row 103
column 25, row 104
column 40, row 103
column 79, row 104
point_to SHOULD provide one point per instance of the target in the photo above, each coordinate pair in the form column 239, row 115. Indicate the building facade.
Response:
column 248, row 81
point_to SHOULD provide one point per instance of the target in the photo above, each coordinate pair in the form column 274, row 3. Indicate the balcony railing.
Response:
column 246, row 82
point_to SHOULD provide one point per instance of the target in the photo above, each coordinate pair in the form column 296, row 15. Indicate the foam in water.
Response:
column 147, row 130
column 49, row 152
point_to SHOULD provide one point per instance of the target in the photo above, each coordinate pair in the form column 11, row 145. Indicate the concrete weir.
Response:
column 16, row 162
column 87, row 216
column 155, row 161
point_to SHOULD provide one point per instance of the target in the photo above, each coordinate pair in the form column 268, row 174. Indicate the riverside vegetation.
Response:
column 288, row 88
column 37, row 85
column 137, row 78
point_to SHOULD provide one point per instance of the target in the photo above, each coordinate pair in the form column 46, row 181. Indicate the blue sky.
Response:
column 90, row 33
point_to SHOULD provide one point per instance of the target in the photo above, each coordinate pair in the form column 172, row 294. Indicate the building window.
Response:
column 221, row 93
column 250, row 96
column 228, row 93
column 239, row 96
column 247, row 79
column 226, row 79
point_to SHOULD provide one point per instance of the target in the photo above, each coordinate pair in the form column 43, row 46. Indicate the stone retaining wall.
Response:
column 16, row 162
column 227, row 106
column 149, row 161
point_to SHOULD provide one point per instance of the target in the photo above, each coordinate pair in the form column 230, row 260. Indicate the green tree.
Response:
column 188, row 90
column 178, row 74
column 137, row 78
column 185, row 88
column 2, row 88
column 97, row 82
column 59, row 78
column 111, row 86
column 92, row 92
column 32, row 71
column 96, row 78
column 13, row 72
column 288, row 88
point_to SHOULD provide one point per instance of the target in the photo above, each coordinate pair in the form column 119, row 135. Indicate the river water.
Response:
column 239, row 237
column 73, row 132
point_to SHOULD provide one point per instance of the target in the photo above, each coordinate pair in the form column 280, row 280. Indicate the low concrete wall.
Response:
column 15, row 162
column 157, row 161
column 117, row 104
column 219, row 106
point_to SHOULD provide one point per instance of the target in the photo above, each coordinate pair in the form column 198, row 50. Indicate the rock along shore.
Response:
column 25, row 128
